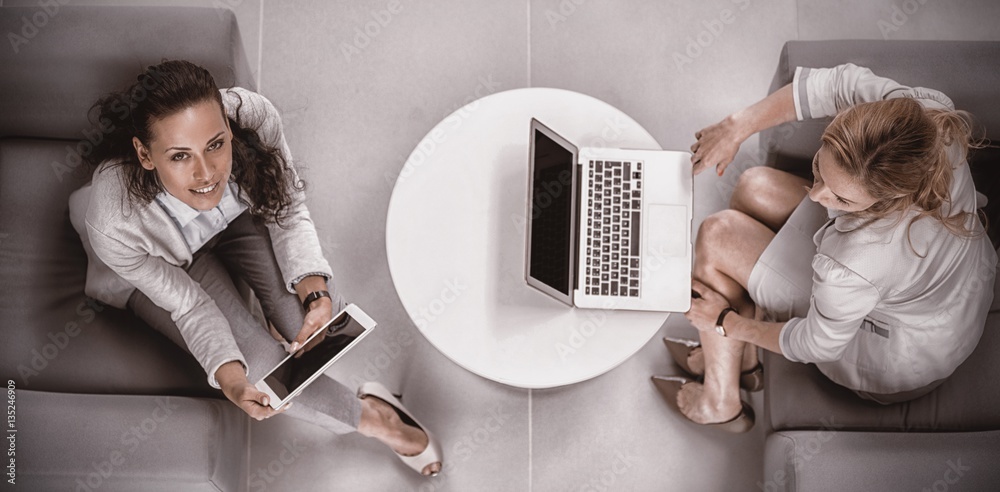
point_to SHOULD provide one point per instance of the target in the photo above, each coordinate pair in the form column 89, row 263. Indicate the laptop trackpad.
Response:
column 666, row 231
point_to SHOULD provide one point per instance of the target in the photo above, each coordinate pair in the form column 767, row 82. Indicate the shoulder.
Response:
column 252, row 110
column 109, row 205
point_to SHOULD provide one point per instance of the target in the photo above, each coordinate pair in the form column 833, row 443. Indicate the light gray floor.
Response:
column 352, row 117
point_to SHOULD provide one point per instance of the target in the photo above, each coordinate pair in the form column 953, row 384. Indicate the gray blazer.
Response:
column 133, row 246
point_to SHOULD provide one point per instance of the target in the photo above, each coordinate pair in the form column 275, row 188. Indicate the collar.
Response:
column 185, row 213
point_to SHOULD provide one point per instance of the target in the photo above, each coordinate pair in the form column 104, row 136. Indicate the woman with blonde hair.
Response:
column 876, row 273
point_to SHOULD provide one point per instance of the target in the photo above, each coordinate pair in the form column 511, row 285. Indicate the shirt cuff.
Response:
column 800, row 94
column 211, row 374
column 784, row 338
column 296, row 280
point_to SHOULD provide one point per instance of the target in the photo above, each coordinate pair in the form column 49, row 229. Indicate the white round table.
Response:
column 455, row 240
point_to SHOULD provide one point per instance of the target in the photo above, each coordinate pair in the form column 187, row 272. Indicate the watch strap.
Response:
column 722, row 317
column 312, row 297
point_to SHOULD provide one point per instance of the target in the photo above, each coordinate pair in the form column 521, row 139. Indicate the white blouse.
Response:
column 881, row 318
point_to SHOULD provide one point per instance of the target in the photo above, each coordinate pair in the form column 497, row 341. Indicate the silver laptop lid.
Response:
column 550, row 254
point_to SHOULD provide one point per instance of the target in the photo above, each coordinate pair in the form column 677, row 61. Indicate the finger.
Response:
column 697, row 134
column 696, row 285
column 695, row 146
column 720, row 168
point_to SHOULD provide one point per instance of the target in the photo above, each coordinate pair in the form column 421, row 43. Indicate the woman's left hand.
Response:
column 320, row 312
column 705, row 306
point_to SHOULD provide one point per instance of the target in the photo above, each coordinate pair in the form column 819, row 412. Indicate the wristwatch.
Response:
column 312, row 297
column 718, row 323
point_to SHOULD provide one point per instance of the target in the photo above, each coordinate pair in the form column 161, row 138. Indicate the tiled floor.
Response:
column 354, row 105
column 352, row 116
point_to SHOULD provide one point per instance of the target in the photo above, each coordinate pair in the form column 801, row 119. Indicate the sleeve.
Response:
column 202, row 325
column 840, row 301
column 824, row 92
column 296, row 244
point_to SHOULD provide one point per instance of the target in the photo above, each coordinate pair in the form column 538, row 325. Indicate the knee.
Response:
column 717, row 229
column 752, row 188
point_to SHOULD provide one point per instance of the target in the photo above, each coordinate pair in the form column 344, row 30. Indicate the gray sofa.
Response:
column 102, row 401
column 821, row 436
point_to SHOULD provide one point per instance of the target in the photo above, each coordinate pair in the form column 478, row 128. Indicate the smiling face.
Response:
column 191, row 152
column 834, row 188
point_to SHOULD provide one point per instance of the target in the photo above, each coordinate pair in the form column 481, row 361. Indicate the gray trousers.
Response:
column 244, row 250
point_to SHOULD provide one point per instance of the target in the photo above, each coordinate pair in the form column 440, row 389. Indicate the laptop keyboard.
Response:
column 614, row 198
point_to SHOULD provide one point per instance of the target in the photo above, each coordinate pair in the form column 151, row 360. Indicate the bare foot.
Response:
column 696, row 361
column 380, row 421
column 702, row 408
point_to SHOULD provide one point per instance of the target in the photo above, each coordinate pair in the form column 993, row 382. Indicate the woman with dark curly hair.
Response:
column 194, row 186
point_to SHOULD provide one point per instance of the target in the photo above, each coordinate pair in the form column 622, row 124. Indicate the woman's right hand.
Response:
column 717, row 145
column 238, row 390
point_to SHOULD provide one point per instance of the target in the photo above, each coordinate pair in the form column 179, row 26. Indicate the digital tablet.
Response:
column 292, row 375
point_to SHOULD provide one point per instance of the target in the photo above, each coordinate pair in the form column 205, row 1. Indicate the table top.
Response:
column 455, row 241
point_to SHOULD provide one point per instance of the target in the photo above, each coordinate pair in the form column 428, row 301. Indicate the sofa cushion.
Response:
column 58, row 70
column 152, row 443
column 57, row 339
column 798, row 396
column 831, row 460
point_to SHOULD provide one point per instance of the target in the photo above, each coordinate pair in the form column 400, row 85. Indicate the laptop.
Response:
column 608, row 228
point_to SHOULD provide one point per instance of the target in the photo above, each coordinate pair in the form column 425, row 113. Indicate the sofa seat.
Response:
column 165, row 443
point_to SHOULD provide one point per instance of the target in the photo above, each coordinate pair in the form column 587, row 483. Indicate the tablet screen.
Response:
column 292, row 373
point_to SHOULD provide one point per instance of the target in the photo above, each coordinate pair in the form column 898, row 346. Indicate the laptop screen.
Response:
column 551, row 213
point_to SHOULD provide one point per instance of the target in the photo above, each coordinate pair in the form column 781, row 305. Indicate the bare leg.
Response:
column 728, row 245
column 768, row 195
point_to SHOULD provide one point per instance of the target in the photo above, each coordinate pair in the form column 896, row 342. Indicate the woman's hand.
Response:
column 706, row 304
column 717, row 145
column 238, row 390
column 320, row 312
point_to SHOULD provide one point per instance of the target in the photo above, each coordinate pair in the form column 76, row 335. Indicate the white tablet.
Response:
column 292, row 375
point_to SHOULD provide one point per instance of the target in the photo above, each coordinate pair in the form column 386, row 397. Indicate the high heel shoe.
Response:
column 432, row 453
column 681, row 349
column 670, row 386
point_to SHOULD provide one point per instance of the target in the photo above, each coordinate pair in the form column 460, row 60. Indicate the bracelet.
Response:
column 312, row 297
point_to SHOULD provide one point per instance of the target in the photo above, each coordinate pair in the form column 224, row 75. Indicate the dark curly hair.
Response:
column 259, row 169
